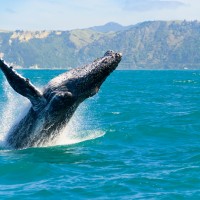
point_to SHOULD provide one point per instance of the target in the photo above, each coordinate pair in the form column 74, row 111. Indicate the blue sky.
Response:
column 72, row 14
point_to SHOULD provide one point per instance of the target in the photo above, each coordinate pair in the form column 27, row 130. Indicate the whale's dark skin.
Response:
column 53, row 107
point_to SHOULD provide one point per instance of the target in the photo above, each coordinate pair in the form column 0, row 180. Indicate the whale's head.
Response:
column 84, row 82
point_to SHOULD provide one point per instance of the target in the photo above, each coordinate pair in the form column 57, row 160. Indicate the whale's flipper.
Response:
column 23, row 86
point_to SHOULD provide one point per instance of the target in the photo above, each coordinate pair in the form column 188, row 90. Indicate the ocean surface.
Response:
column 138, row 138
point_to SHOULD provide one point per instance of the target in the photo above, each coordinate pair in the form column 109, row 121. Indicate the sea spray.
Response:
column 77, row 130
column 16, row 107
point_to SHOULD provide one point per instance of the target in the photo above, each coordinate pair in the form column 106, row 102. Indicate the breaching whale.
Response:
column 53, row 107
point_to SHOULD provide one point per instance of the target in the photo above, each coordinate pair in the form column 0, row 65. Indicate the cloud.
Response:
column 149, row 5
column 65, row 15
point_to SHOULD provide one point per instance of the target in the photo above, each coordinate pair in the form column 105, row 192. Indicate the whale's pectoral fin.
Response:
column 23, row 86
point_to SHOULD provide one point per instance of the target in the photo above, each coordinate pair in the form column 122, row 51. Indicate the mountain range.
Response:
column 147, row 45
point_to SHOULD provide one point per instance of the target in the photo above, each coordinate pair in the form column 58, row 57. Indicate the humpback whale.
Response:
column 52, row 107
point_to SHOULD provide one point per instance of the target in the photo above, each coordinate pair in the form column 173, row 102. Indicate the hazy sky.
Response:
column 71, row 14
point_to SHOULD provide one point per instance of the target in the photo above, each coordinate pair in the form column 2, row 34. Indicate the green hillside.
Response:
column 148, row 45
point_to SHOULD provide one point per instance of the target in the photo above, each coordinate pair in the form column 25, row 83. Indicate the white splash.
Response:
column 13, row 110
column 76, row 130
column 16, row 107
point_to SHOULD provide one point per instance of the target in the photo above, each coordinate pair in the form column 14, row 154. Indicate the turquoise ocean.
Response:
column 138, row 138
